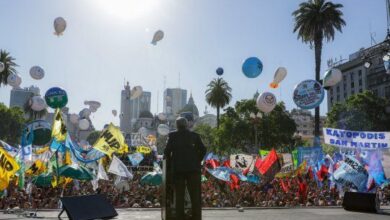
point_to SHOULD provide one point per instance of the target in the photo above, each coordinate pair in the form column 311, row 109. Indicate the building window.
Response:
column 352, row 91
column 352, row 85
column 360, row 73
column 352, row 76
column 375, row 91
column 338, row 89
column 387, row 92
column 345, row 86
column 344, row 78
column 338, row 98
column 360, row 90
column 345, row 94
column 360, row 82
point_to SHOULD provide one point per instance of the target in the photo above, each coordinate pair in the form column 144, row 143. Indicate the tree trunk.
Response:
column 317, row 51
column 218, row 116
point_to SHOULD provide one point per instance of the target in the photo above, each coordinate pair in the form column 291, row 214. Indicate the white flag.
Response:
column 102, row 175
column 118, row 168
column 95, row 184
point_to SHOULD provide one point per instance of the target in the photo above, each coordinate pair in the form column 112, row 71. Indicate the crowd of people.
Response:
column 287, row 192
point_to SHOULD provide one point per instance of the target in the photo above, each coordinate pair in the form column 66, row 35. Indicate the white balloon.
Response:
column 159, row 35
column 74, row 118
column 83, row 124
column 38, row 103
column 332, row 77
column 266, row 102
column 163, row 129
column 93, row 104
column 114, row 112
column 280, row 74
column 2, row 67
column 85, row 113
column 136, row 92
column 59, row 25
column 162, row 116
column 14, row 80
column 36, row 72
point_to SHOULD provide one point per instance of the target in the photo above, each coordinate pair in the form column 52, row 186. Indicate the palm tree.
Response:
column 316, row 20
column 9, row 66
column 218, row 95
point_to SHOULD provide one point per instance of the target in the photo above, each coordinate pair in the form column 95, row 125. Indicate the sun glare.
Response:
column 129, row 9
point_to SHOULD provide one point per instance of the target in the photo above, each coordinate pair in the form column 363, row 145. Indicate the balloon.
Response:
column 332, row 77
column 37, row 103
column 36, row 72
column 59, row 26
column 308, row 94
column 74, row 118
column 83, row 124
column 280, row 74
column 219, row 71
column 159, row 35
column 162, row 116
column 2, row 67
column 93, row 104
column 114, row 112
column 136, row 92
column 252, row 67
column 163, row 129
column 266, row 102
column 56, row 97
column 40, row 131
column 85, row 113
column 14, row 80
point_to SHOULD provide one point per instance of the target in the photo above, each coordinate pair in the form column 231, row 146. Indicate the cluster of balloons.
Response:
column 37, row 103
column 266, row 102
column 14, row 80
column 36, row 72
column 93, row 105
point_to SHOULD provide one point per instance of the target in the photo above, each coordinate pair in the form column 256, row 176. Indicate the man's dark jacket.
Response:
column 186, row 150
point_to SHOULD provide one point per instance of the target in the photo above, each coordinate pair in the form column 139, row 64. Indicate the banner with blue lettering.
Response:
column 312, row 155
column 357, row 139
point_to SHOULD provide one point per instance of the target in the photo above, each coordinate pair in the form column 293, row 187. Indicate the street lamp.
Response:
column 256, row 119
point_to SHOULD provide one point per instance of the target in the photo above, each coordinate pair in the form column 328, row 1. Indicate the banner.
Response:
column 242, row 162
column 111, row 140
column 312, row 155
column 357, row 139
column 118, row 168
column 58, row 130
column 8, row 167
column 144, row 150
column 351, row 173
column 135, row 158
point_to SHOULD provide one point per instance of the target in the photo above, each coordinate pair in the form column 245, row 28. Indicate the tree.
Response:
column 316, row 20
column 11, row 124
column 360, row 112
column 9, row 66
column 207, row 134
column 93, row 136
column 218, row 95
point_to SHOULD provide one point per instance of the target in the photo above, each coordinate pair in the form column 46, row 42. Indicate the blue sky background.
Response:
column 107, row 41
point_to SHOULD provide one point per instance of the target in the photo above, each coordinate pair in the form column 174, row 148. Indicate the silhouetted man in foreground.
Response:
column 186, row 150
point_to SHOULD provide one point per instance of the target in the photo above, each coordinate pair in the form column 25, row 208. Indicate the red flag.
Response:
column 258, row 163
column 310, row 173
column 227, row 163
column 234, row 182
column 213, row 163
column 246, row 171
column 270, row 165
column 284, row 186
column 322, row 173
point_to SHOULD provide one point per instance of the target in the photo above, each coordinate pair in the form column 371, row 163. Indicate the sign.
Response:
column 308, row 94
column 351, row 173
column 242, row 162
column 144, row 150
column 309, row 154
column 357, row 139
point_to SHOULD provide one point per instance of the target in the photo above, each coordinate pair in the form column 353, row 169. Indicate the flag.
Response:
column 301, row 169
column 252, row 178
column 221, row 173
column 322, row 173
column 118, row 168
column 283, row 185
column 36, row 168
column 13, row 151
column 242, row 162
column 211, row 160
column 101, row 173
column 234, row 182
column 26, row 153
column 226, row 163
column 135, row 158
column 58, row 130
column 270, row 165
column 310, row 173
column 110, row 140
column 8, row 165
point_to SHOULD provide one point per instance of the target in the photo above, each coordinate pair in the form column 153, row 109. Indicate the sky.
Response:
column 107, row 42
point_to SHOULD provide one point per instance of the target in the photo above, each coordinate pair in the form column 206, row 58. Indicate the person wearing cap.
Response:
column 186, row 151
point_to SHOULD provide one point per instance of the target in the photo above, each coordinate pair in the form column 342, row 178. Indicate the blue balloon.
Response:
column 252, row 67
column 219, row 71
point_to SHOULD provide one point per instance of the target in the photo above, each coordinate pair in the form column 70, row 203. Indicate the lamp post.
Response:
column 255, row 120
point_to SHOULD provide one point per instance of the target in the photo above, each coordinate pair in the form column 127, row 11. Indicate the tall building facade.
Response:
column 131, row 108
column 364, row 70
column 20, row 96
column 305, row 123
column 174, row 100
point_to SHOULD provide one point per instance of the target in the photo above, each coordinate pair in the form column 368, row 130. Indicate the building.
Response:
column 139, row 105
column 363, row 71
column 305, row 123
column 20, row 96
column 174, row 100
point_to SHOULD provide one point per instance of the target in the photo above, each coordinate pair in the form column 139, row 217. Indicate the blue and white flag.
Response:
column 351, row 173
column 221, row 173
column 26, row 153
column 13, row 151
column 135, row 158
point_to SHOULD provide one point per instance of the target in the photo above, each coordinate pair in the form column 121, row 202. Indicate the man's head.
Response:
column 181, row 123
